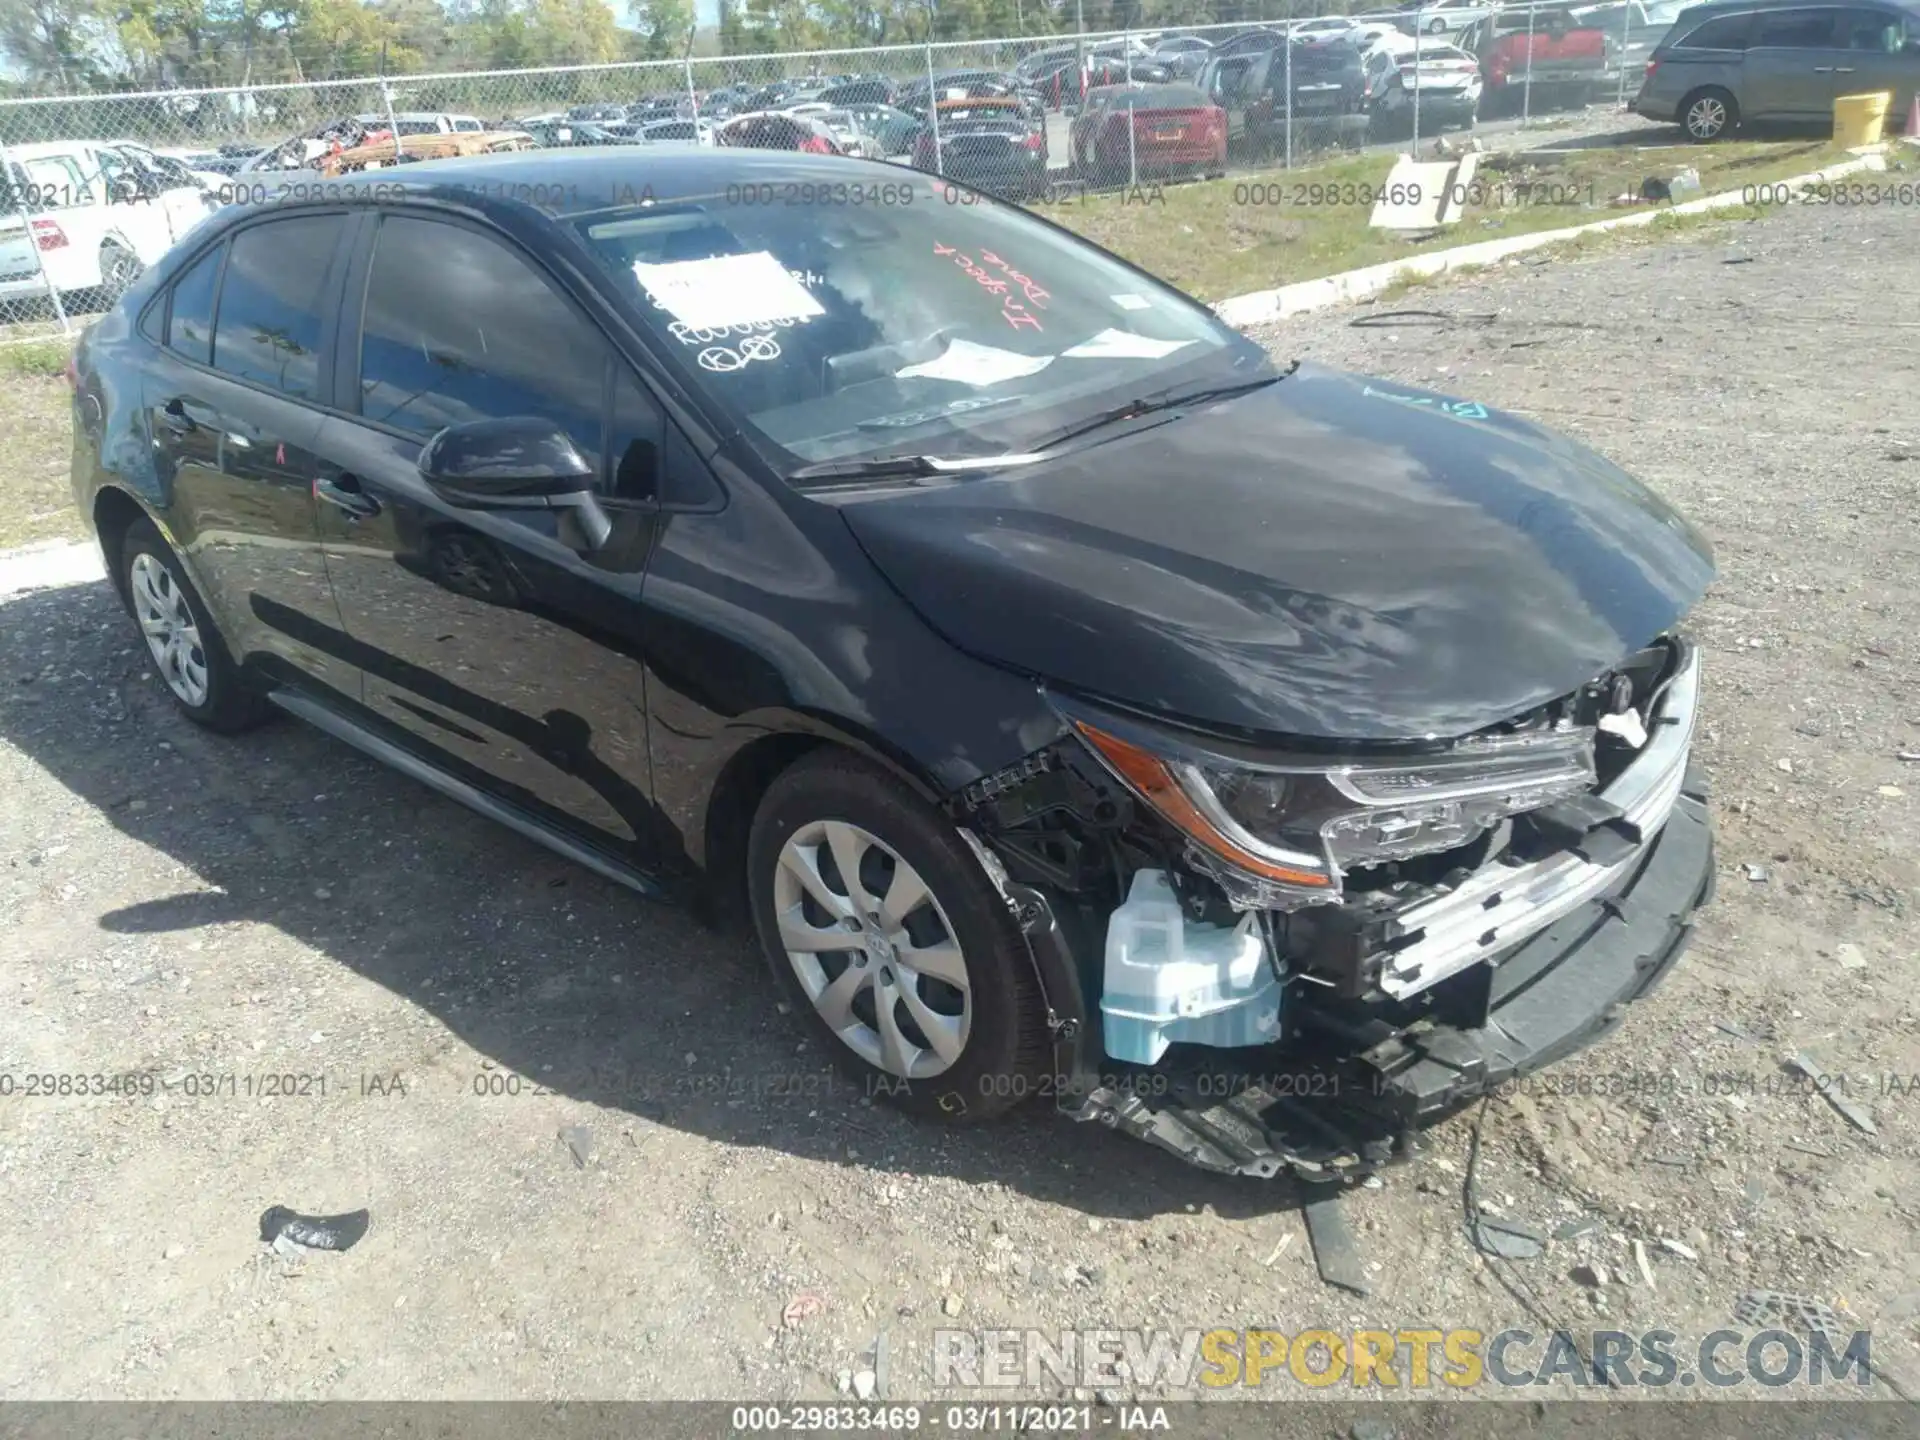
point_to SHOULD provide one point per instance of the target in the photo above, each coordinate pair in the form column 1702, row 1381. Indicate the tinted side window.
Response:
column 1880, row 31
column 270, row 302
column 190, row 326
column 1793, row 29
column 1728, row 32
column 458, row 328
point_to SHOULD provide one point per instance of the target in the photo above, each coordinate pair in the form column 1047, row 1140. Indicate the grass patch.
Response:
column 36, row 357
column 1256, row 231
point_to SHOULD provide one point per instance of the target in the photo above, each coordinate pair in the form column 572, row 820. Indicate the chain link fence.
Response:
column 98, row 186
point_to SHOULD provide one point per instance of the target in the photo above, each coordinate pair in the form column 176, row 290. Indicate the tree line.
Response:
column 102, row 46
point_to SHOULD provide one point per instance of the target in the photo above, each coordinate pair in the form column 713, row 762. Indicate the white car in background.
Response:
column 1442, row 17
column 96, row 214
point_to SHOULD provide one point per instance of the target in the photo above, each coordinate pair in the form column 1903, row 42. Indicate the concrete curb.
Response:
column 1264, row 306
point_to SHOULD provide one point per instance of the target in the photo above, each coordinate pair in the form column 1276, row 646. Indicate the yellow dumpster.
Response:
column 1859, row 119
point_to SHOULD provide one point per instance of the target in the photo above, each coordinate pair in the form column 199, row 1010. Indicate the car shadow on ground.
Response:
column 558, row 978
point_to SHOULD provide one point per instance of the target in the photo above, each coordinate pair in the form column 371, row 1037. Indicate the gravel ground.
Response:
column 185, row 906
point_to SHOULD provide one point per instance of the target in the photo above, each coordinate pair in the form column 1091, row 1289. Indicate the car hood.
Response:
column 1329, row 557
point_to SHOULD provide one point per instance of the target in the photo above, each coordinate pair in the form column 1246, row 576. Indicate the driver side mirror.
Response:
column 517, row 463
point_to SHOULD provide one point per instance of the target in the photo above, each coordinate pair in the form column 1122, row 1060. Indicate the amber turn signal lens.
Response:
column 1151, row 779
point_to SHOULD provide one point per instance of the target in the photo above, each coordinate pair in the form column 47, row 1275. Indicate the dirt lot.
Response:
column 185, row 906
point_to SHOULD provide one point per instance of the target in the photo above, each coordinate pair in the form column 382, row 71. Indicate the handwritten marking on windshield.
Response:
column 1014, row 311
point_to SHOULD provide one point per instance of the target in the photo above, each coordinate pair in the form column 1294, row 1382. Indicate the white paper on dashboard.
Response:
column 972, row 364
column 1132, row 302
column 1122, row 345
column 724, row 290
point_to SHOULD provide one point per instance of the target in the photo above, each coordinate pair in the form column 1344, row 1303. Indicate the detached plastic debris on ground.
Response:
column 291, row 1233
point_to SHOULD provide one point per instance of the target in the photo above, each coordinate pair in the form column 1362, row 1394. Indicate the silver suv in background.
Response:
column 1731, row 62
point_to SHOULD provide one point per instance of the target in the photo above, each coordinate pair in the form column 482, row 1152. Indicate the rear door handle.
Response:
column 343, row 492
column 1843, row 69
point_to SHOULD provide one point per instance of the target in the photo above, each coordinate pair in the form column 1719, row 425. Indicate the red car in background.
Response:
column 776, row 130
column 1176, row 130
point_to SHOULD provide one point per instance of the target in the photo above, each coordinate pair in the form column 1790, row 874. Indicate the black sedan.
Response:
column 1072, row 700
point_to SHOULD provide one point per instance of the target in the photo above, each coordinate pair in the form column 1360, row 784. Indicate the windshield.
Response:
column 903, row 325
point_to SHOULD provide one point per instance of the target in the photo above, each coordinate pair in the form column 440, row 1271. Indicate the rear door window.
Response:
column 271, row 303
column 190, row 325
column 1794, row 30
column 1878, row 31
column 1727, row 32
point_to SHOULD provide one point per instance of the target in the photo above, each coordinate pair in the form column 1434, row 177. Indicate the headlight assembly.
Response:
column 1298, row 825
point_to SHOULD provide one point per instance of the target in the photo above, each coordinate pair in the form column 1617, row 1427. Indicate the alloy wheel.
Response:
column 873, row 949
column 167, row 622
column 1706, row 118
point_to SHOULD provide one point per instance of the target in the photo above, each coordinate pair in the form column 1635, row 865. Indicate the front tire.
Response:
column 184, row 647
column 882, row 927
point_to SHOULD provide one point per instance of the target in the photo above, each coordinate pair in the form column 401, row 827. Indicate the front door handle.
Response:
column 343, row 492
column 1823, row 69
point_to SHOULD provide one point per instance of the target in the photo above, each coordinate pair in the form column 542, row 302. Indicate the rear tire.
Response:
column 184, row 648
column 912, row 971
column 1709, row 114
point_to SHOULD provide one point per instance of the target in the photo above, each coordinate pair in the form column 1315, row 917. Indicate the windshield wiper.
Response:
column 905, row 467
column 1168, row 399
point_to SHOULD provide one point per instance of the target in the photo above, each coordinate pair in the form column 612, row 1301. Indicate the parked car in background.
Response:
column 893, row 131
column 1445, row 80
column 1328, row 96
column 1726, row 64
column 699, row 132
column 92, row 217
column 300, row 152
column 1124, row 132
column 990, row 142
column 1067, row 698
column 851, row 94
column 596, row 114
column 1541, row 58
column 412, row 149
column 551, row 133
column 1183, row 55
column 968, row 85
column 1442, row 17
column 776, row 130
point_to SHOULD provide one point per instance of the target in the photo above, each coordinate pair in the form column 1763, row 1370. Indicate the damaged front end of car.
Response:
column 1275, row 960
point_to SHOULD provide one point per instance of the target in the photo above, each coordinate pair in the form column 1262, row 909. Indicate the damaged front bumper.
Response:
column 1501, row 972
column 1321, row 1108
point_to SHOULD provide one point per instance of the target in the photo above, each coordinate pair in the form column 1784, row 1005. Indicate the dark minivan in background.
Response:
column 1732, row 62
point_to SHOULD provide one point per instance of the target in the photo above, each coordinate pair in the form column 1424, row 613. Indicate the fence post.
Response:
column 1626, row 30
column 1419, row 43
column 1526, row 88
column 1286, row 80
column 386, row 100
column 693, row 96
column 19, row 194
column 933, row 111
column 1133, row 116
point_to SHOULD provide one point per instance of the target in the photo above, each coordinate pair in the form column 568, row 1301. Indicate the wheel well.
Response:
column 730, row 811
column 114, row 513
